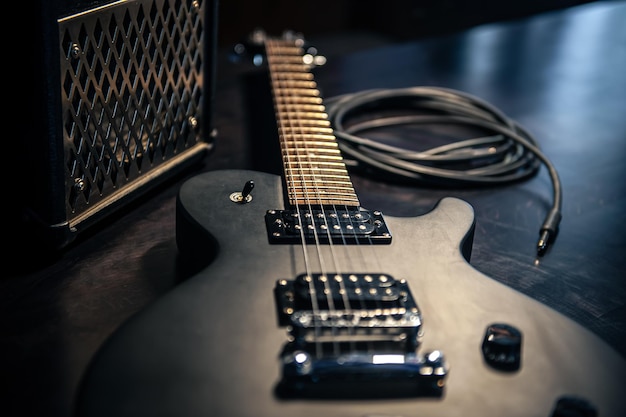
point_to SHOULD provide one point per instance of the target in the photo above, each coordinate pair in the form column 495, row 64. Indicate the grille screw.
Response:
column 75, row 50
column 79, row 184
column 193, row 121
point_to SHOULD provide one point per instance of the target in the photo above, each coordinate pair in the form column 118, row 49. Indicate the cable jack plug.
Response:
column 548, row 231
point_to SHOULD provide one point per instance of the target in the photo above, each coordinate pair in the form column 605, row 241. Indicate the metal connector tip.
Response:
column 542, row 243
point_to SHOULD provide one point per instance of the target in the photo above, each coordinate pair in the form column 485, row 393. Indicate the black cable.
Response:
column 506, row 153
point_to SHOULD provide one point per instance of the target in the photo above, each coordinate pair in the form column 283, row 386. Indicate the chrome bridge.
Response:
column 354, row 334
column 347, row 226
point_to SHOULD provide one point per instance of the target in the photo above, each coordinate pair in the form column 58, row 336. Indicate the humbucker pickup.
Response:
column 345, row 226
column 332, row 308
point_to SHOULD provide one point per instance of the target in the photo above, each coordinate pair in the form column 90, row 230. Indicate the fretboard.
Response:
column 315, row 172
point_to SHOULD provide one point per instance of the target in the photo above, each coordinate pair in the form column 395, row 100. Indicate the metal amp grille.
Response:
column 131, row 81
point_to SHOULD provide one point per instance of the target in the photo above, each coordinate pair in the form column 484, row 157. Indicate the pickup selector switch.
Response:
column 245, row 195
column 502, row 347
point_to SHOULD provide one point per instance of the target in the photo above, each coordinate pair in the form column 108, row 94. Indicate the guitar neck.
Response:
column 315, row 172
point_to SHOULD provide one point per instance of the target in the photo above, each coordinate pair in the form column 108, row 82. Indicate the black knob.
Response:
column 573, row 406
column 502, row 347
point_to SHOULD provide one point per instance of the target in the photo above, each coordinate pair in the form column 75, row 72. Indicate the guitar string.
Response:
column 326, row 279
column 274, row 48
column 312, row 197
column 291, row 184
column 359, row 291
column 315, row 180
column 338, row 277
column 328, row 289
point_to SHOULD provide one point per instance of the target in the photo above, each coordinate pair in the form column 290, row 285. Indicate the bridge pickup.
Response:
column 361, row 374
column 352, row 308
column 346, row 226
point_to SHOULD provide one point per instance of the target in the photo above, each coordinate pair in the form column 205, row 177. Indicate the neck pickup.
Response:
column 352, row 225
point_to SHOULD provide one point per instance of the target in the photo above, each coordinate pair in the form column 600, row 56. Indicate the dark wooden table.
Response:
column 562, row 75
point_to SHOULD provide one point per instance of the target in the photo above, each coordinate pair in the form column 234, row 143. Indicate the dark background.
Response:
column 556, row 67
column 399, row 19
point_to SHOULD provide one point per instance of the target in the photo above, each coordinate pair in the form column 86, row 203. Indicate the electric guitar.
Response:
column 311, row 305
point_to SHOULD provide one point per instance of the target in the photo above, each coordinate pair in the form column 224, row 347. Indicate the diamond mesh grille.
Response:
column 131, row 81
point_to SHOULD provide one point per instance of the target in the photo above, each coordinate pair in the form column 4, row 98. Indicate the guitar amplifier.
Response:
column 121, row 101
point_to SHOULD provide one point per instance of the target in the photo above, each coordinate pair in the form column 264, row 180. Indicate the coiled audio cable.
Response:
column 504, row 152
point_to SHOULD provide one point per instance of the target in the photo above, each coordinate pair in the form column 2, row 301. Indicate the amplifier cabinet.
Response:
column 122, row 99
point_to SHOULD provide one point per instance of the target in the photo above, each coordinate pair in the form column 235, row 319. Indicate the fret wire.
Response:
column 294, row 76
column 289, row 59
column 315, row 122
column 288, row 68
column 303, row 92
column 295, row 84
column 306, row 114
column 336, row 191
column 322, row 155
column 345, row 177
column 302, row 137
column 330, row 154
column 331, row 196
column 304, row 107
column 322, row 152
column 293, row 140
column 304, row 129
column 333, row 173
column 325, row 169
column 318, row 161
column 308, row 88
column 299, row 100
column 336, row 183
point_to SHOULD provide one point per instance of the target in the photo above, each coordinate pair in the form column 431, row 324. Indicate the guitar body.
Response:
column 211, row 346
